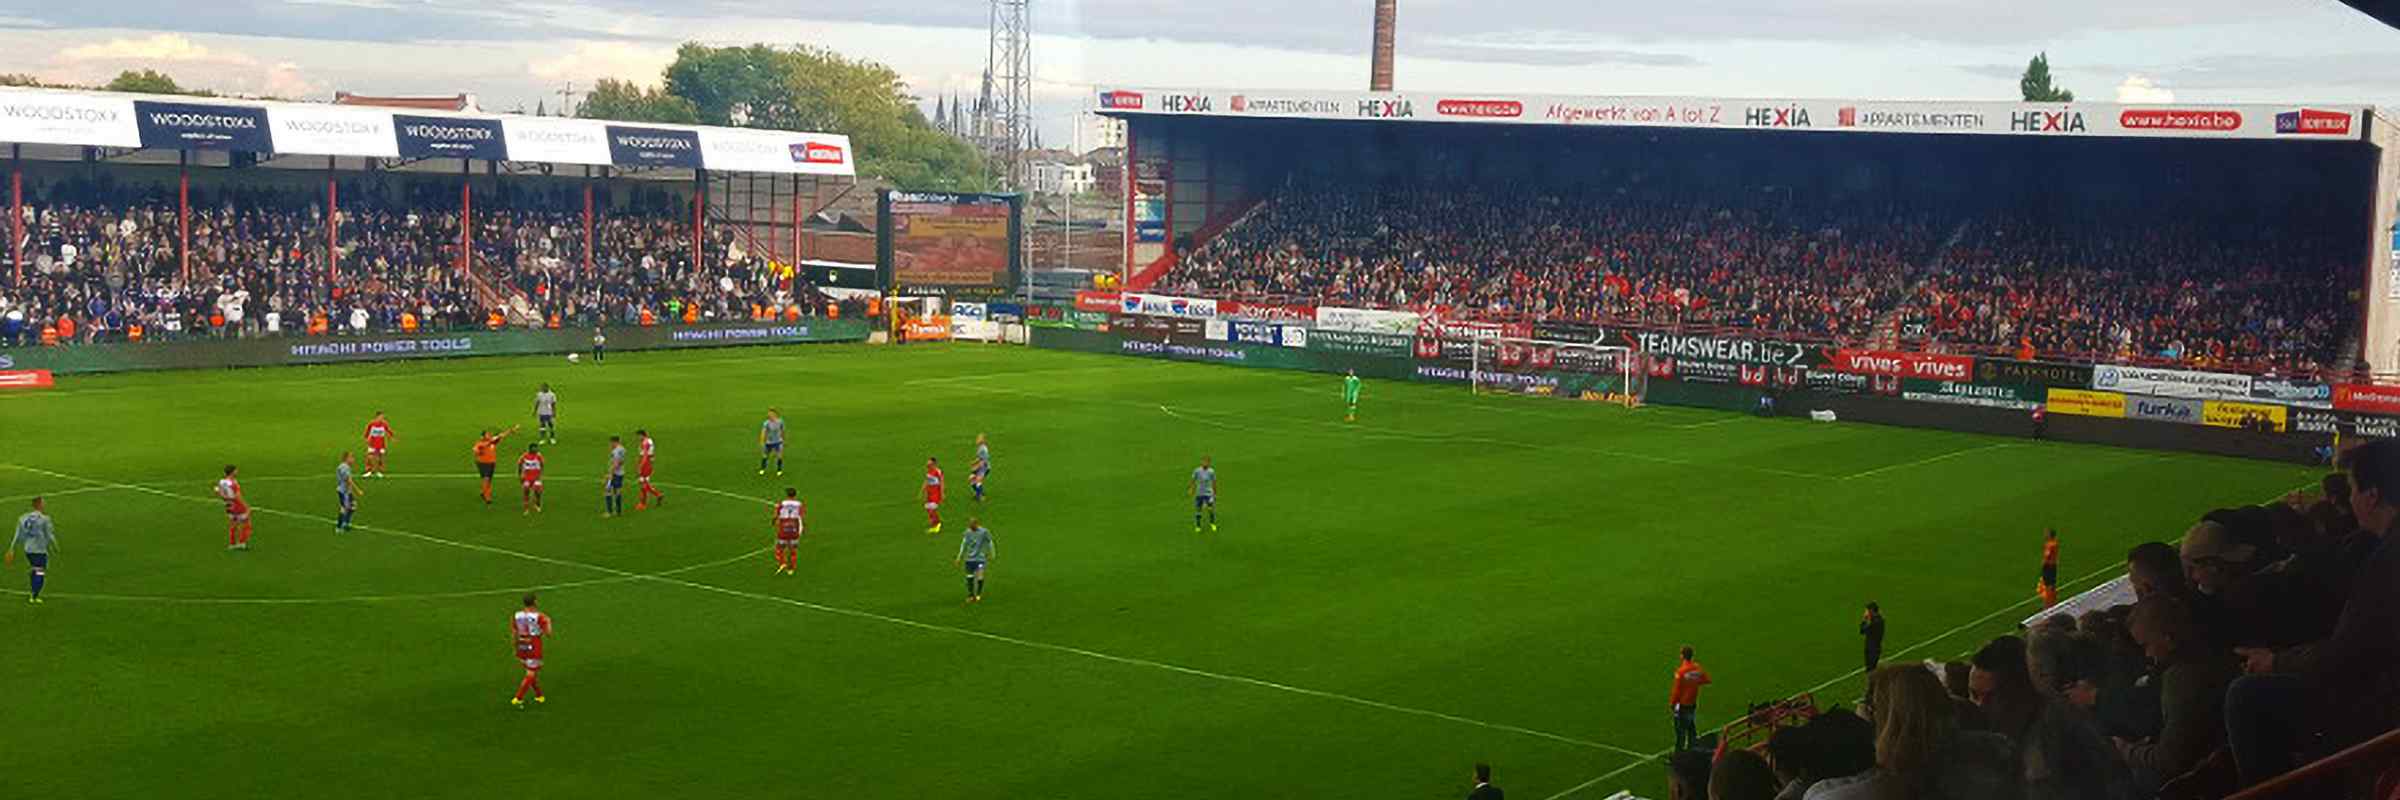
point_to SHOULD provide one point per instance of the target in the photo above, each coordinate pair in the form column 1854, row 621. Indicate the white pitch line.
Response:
column 901, row 621
column 1929, row 460
column 1649, row 759
column 60, row 493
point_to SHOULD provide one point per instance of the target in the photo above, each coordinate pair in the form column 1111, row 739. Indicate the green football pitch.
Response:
column 1447, row 580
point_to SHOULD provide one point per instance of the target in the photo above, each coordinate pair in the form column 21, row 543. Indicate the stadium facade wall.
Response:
column 1998, row 401
column 293, row 350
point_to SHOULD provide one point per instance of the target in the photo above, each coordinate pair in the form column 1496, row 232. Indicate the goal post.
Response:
column 1554, row 368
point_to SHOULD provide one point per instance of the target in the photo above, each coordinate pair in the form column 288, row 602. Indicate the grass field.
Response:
column 1450, row 579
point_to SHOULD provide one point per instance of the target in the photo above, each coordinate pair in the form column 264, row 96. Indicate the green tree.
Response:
column 2037, row 86
column 17, row 79
column 805, row 88
column 623, row 100
column 146, row 81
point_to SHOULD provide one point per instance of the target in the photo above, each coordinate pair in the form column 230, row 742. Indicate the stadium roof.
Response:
column 132, row 121
column 2298, row 122
column 443, row 102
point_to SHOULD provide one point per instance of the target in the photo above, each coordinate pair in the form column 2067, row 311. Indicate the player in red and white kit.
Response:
column 379, row 436
column 527, row 628
column 237, row 511
column 933, row 496
column 791, row 518
column 649, row 457
column 529, row 480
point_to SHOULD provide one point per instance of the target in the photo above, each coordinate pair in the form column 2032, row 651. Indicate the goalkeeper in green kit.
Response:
column 1350, row 395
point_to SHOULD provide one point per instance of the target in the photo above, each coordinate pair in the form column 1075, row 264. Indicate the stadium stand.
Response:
column 104, row 266
column 2240, row 273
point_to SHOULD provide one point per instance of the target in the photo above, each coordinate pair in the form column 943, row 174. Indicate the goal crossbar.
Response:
column 1558, row 368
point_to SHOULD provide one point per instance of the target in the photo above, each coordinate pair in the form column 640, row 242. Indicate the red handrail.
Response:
column 2330, row 767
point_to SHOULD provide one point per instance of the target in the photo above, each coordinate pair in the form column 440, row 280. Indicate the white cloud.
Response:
column 163, row 47
column 2138, row 88
column 642, row 64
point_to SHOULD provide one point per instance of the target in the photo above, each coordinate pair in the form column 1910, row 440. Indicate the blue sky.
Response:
column 2190, row 51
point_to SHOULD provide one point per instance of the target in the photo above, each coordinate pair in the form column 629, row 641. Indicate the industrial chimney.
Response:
column 1380, row 78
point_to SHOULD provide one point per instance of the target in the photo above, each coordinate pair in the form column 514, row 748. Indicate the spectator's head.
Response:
column 1844, row 742
column 1955, row 679
column 1687, row 775
column 2001, row 685
column 2336, row 487
column 2375, row 484
column 1792, row 753
column 2154, row 569
column 2064, row 666
column 2224, row 548
column 1742, row 775
column 1912, row 718
column 2166, row 630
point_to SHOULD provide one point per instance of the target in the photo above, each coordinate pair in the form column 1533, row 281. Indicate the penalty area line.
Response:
column 899, row 621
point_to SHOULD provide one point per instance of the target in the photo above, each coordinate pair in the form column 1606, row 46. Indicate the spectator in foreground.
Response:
column 2060, row 751
column 1484, row 790
column 2344, row 687
column 1920, row 752
column 2249, row 596
column 1955, row 680
column 2192, row 678
column 1833, row 747
column 1687, row 775
column 2155, row 569
column 1741, row 775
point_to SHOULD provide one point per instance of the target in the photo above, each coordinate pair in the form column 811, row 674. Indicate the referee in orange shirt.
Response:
column 1683, row 701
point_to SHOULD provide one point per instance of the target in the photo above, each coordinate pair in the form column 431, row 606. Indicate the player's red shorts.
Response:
column 529, row 651
column 531, row 482
column 933, row 497
column 644, row 471
column 375, row 446
column 237, row 509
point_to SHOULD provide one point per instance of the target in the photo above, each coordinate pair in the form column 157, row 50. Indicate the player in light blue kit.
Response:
column 545, row 411
column 975, row 551
column 345, row 494
column 612, row 485
column 1204, row 494
column 37, row 539
column 770, row 441
column 983, row 466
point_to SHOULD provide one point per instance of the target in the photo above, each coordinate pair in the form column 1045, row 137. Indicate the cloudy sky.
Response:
column 523, row 52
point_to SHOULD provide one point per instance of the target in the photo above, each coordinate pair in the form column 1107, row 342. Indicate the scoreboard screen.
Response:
column 959, row 245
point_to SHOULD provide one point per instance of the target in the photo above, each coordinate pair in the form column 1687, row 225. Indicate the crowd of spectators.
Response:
column 103, row 263
column 2268, row 638
column 1960, row 280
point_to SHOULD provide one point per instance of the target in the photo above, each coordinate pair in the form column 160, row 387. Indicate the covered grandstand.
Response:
column 2246, row 238
column 168, row 199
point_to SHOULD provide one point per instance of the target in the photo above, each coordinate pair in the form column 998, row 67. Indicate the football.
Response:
column 574, row 357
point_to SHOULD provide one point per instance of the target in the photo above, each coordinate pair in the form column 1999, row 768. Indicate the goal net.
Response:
column 1550, row 368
